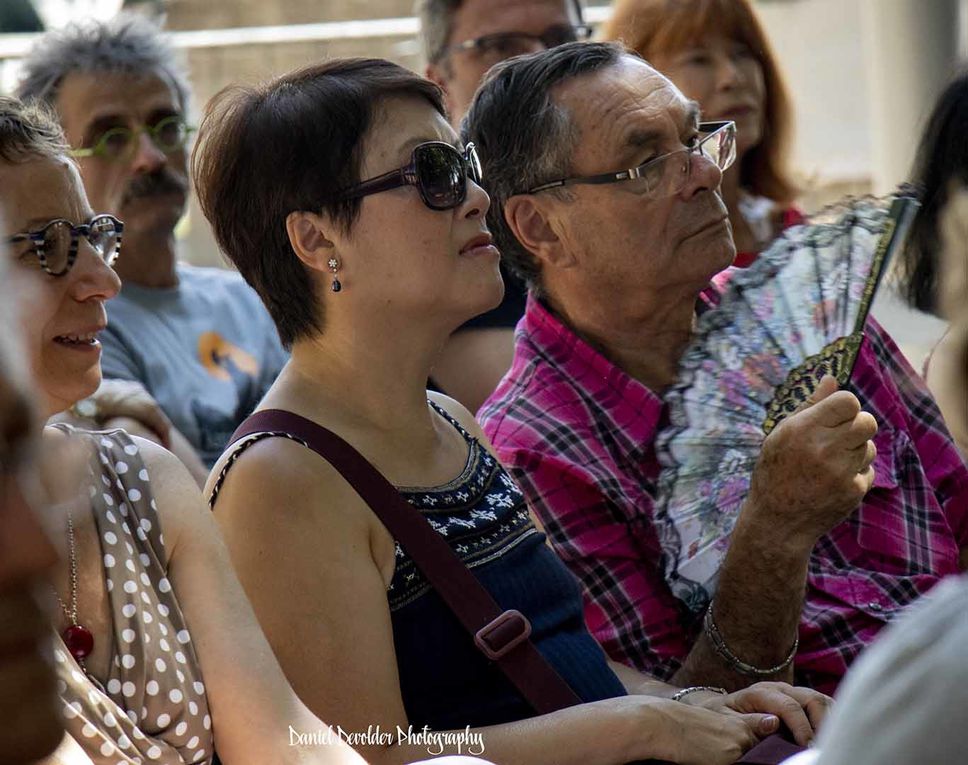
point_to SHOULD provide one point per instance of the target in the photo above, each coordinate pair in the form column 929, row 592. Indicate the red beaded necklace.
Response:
column 77, row 637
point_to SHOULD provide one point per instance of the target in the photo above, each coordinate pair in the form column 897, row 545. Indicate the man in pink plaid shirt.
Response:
column 841, row 528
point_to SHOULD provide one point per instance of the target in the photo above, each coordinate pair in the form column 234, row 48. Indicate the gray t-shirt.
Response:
column 206, row 350
column 905, row 700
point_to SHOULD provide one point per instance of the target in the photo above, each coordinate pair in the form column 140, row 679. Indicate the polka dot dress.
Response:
column 152, row 706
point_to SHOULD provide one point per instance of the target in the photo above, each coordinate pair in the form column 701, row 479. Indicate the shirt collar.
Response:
column 632, row 410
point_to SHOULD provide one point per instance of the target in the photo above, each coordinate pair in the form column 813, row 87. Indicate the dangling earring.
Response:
column 334, row 267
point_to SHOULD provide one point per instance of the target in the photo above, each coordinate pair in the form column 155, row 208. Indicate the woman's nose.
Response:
column 92, row 277
column 478, row 201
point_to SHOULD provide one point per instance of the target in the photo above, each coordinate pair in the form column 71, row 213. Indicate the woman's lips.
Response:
column 81, row 339
column 86, row 343
column 480, row 245
column 484, row 249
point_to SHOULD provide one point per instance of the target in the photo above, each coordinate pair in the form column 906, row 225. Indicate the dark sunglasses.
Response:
column 55, row 245
column 437, row 169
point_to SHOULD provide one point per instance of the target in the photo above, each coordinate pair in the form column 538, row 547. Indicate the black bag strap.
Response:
column 502, row 636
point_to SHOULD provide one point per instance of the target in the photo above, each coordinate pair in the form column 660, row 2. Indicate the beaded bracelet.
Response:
column 677, row 696
column 719, row 644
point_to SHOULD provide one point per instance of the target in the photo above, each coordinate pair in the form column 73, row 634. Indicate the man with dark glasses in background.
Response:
column 197, row 339
column 461, row 41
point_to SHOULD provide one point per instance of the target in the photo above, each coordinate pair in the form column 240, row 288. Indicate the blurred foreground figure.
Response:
column 30, row 724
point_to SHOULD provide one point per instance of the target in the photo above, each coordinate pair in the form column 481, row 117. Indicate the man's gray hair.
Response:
column 127, row 44
column 524, row 138
column 437, row 23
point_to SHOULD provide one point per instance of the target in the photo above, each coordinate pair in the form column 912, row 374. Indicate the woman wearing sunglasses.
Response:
column 159, row 656
column 342, row 195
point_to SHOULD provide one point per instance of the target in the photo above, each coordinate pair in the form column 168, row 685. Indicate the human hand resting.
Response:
column 802, row 710
column 690, row 735
column 116, row 399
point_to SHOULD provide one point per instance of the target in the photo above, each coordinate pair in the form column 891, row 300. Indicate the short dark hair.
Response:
column 28, row 131
column 437, row 24
column 288, row 145
column 127, row 43
column 941, row 162
column 523, row 137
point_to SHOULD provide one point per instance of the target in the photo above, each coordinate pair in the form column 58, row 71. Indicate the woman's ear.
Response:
column 308, row 237
column 533, row 225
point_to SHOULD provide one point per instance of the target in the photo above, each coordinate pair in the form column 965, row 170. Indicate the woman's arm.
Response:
column 313, row 560
column 251, row 704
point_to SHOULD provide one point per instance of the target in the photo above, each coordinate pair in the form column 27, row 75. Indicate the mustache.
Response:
column 159, row 183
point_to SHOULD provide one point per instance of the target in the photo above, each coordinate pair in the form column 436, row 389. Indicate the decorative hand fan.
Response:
column 796, row 315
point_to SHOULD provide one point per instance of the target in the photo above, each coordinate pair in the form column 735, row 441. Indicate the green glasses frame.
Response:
column 120, row 143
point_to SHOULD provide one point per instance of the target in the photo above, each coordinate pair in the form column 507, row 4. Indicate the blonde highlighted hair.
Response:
column 657, row 28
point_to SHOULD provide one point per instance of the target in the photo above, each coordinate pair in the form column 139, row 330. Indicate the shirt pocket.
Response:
column 855, row 596
column 900, row 525
column 886, row 470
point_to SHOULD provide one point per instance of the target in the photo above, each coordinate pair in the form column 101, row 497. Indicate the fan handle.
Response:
column 839, row 357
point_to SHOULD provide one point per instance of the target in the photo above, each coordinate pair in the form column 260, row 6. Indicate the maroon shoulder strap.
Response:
column 501, row 635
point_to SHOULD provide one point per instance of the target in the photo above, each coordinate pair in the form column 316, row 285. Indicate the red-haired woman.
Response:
column 716, row 52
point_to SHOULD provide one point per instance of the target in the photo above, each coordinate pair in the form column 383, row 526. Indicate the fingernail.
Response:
column 771, row 723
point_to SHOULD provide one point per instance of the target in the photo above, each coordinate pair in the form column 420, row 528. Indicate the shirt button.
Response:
column 875, row 606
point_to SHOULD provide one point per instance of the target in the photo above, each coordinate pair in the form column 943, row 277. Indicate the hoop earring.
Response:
column 334, row 267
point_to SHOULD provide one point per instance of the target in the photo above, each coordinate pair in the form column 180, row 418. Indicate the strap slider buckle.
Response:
column 501, row 635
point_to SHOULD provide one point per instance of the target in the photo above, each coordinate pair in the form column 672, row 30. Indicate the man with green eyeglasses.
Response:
column 197, row 339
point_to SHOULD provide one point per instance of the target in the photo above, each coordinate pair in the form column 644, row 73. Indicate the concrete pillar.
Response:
column 912, row 47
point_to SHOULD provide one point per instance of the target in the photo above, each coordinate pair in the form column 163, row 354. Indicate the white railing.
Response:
column 16, row 46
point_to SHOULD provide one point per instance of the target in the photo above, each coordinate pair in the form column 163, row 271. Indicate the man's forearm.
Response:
column 759, row 599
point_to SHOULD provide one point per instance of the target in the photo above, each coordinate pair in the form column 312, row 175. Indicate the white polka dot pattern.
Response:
column 154, row 680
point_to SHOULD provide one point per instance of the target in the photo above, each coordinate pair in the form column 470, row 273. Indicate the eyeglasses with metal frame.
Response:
column 667, row 175
column 504, row 45
column 120, row 143
column 437, row 169
column 55, row 245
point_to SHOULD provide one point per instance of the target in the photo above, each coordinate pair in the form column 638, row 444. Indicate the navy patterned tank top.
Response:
column 445, row 680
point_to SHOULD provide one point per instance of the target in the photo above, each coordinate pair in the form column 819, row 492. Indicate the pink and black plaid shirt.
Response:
column 577, row 434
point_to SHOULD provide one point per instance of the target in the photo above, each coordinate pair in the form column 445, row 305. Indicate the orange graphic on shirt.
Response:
column 217, row 355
